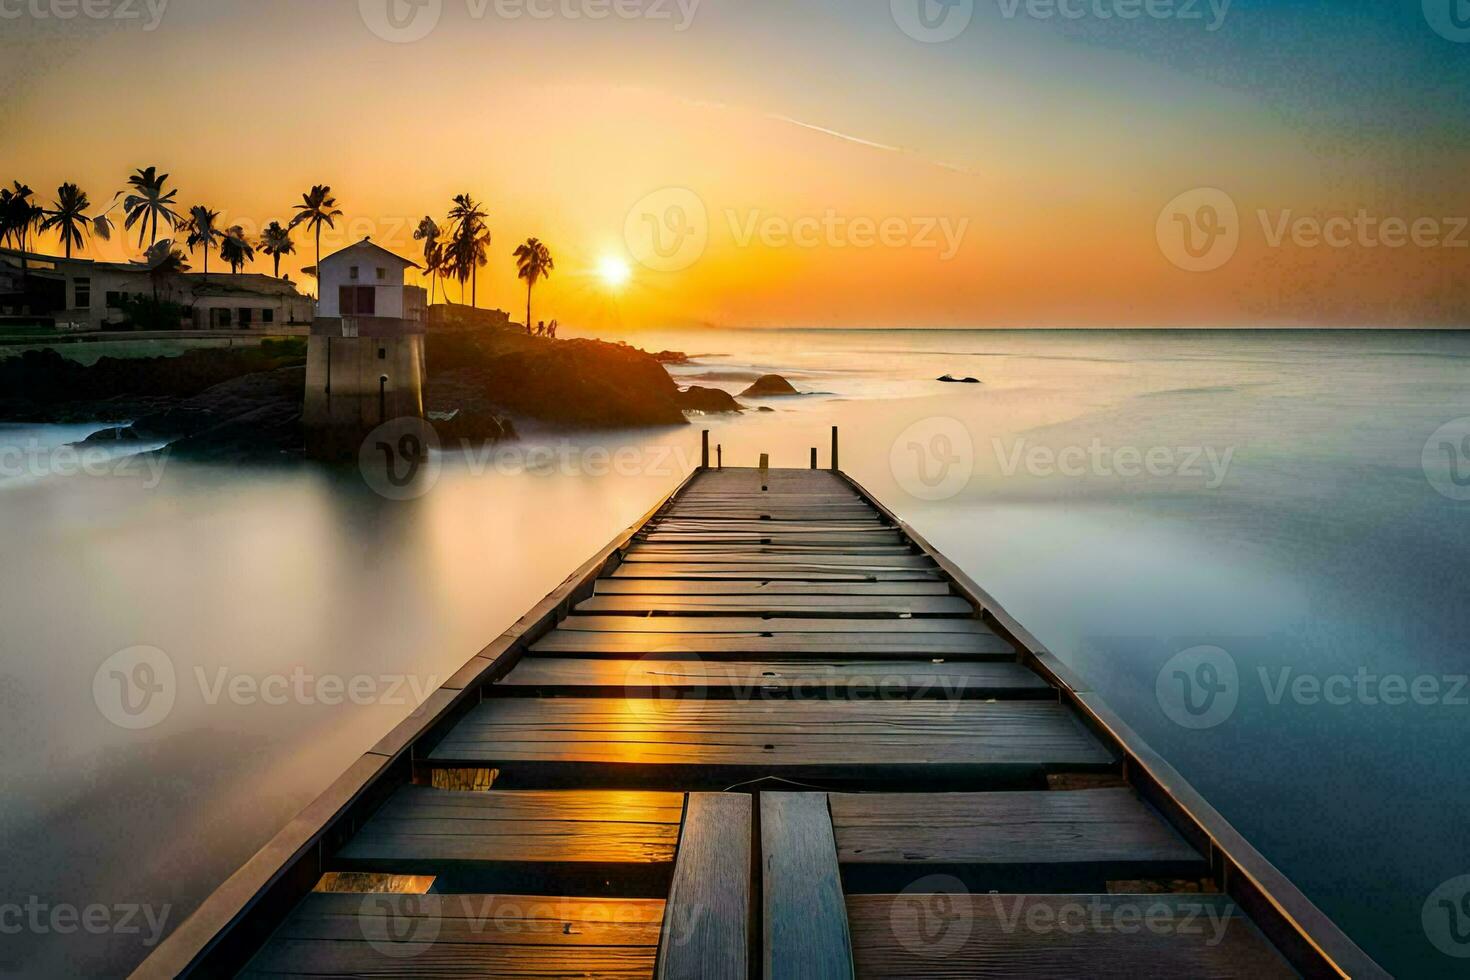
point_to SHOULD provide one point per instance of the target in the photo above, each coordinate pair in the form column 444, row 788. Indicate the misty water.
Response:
column 1288, row 500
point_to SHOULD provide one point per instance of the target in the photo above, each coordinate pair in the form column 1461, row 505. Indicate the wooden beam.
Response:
column 804, row 935
column 706, row 930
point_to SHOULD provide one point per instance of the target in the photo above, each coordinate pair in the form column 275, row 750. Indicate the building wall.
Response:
column 336, row 272
column 347, row 396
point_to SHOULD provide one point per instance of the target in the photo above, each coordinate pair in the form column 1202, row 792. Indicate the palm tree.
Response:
column 470, row 242
column 18, row 215
column 428, row 232
column 235, row 250
column 164, row 263
column 318, row 207
column 150, row 203
column 276, row 242
column 202, row 232
column 534, row 262
column 68, row 215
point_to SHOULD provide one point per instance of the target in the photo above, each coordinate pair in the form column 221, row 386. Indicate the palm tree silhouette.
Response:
column 202, row 232
column 276, row 242
column 470, row 243
column 164, row 263
column 68, row 215
column 18, row 215
column 235, row 250
column 428, row 232
column 150, row 203
column 318, row 207
column 534, row 262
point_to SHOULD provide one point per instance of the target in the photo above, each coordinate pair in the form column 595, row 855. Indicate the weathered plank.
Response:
column 755, row 624
column 823, row 605
column 463, row 935
column 1116, row 937
column 805, row 935
column 769, row 736
column 682, row 646
column 1091, row 827
column 422, row 828
column 852, row 679
column 758, row 556
column 677, row 586
column 776, row 571
column 706, row 929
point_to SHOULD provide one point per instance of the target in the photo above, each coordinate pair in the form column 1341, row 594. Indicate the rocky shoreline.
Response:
column 246, row 403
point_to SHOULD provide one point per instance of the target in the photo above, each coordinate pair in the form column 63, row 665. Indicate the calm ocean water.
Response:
column 1272, row 517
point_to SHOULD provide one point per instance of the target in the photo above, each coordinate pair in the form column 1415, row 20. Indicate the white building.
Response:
column 365, row 359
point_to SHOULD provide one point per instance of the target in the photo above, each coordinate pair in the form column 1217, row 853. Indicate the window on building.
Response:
column 245, row 317
column 352, row 273
column 382, row 353
column 113, row 299
column 382, row 273
column 83, row 289
column 267, row 316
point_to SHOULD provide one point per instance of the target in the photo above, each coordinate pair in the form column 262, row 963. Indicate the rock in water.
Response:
column 947, row 379
column 709, row 400
column 769, row 386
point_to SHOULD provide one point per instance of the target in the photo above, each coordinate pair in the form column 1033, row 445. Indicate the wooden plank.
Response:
column 423, row 828
column 463, row 935
column 1095, row 827
column 785, row 605
column 706, row 929
column 684, row 646
column 754, row 624
column 769, row 736
column 852, row 679
column 1112, row 937
column 775, row 571
column 676, row 586
column 757, row 556
column 805, row 935
column 764, row 548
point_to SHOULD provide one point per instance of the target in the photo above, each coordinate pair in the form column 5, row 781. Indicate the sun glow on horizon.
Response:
column 613, row 271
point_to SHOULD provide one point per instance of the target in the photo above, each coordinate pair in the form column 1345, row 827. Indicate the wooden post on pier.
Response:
column 720, row 456
column 814, row 457
column 765, row 472
column 704, row 452
column 835, row 464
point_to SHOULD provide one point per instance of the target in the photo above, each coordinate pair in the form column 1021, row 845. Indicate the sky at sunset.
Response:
column 814, row 163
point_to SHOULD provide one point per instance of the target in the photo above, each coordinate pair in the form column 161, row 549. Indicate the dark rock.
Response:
column 769, row 386
column 707, row 400
column 474, row 428
column 947, row 379
column 765, row 408
column 256, row 416
column 671, row 357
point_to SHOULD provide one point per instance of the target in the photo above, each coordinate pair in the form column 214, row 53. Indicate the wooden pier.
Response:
column 768, row 731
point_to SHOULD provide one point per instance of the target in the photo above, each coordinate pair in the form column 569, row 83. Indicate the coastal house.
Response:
column 365, row 357
column 85, row 294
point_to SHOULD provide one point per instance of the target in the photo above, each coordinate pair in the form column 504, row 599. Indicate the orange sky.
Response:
column 1046, row 158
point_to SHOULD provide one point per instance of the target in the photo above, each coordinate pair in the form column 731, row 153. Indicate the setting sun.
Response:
column 613, row 271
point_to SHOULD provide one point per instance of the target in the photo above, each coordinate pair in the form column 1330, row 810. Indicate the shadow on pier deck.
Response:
column 768, row 731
